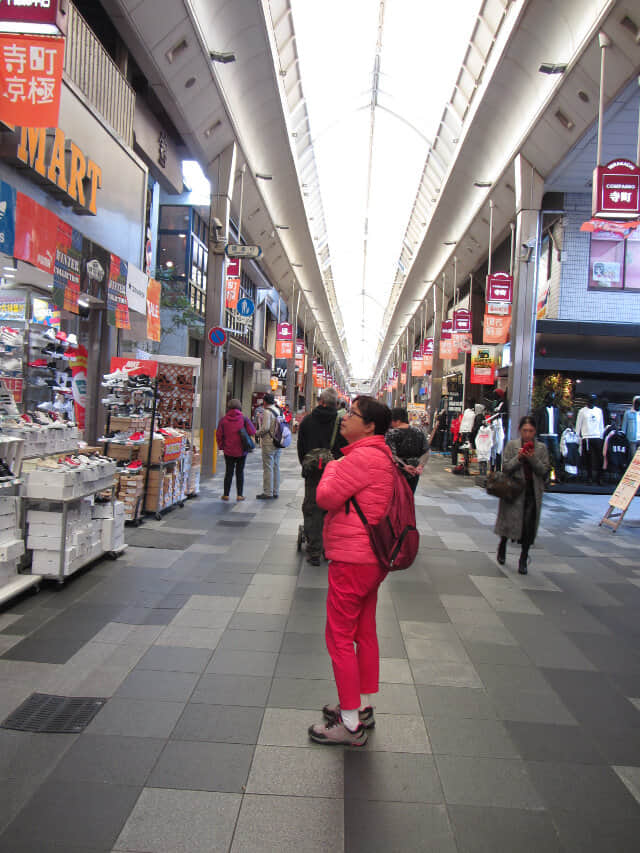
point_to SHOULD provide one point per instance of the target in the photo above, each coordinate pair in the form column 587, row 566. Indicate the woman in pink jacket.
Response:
column 366, row 472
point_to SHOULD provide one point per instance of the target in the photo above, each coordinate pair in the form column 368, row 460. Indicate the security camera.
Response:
column 216, row 222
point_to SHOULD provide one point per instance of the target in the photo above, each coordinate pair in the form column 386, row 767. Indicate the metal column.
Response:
column 222, row 176
column 529, row 191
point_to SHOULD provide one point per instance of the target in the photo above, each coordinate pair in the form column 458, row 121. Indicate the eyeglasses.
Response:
column 353, row 412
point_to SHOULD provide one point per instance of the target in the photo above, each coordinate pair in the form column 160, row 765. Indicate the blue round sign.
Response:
column 245, row 307
column 217, row 336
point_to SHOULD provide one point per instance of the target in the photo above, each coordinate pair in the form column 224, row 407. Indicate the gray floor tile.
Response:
column 265, row 641
column 582, row 833
column 389, row 776
column 289, row 824
column 165, row 821
column 304, row 666
column 297, row 772
column 583, row 788
column 219, row 724
column 156, row 684
column 136, row 718
column 496, row 653
column 496, row 782
column 471, row 737
column 399, row 733
column 547, row 742
column 109, row 759
column 245, row 690
column 24, row 755
column 302, row 693
column 486, row 830
column 258, row 621
column 380, row 827
column 202, row 766
column 242, row 662
column 75, row 814
column 175, row 659
column 437, row 701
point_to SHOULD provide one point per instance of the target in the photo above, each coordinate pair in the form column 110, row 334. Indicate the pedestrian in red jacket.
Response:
column 230, row 443
column 365, row 471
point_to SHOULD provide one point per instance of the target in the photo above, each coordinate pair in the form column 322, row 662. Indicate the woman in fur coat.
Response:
column 526, row 460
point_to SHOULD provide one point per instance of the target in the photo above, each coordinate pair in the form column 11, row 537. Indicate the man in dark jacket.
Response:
column 319, row 429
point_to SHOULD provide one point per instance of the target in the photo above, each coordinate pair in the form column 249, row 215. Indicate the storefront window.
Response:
column 614, row 263
column 175, row 217
column 172, row 254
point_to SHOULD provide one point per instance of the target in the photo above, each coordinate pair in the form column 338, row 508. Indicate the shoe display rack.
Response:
column 12, row 583
column 63, row 532
column 156, row 460
column 48, row 375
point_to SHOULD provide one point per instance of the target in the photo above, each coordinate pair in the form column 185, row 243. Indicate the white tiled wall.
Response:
column 575, row 301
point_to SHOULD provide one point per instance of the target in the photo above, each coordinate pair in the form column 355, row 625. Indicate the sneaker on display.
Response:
column 72, row 340
column 137, row 436
column 134, row 466
column 39, row 362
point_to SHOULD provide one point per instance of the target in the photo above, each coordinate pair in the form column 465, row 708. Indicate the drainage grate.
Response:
column 42, row 712
column 225, row 523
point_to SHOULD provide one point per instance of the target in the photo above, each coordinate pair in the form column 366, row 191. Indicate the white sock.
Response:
column 365, row 701
column 350, row 719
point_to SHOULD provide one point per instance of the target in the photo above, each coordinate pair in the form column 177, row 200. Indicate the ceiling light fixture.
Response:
column 450, row 242
column 552, row 68
column 483, row 184
column 283, row 227
column 564, row 120
column 176, row 50
column 222, row 56
column 212, row 128
column 296, row 265
column 190, row 82
column 263, row 177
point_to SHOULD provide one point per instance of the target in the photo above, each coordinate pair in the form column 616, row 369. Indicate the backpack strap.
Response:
column 356, row 506
column 335, row 432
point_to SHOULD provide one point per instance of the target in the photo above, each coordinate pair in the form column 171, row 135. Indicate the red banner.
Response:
column 616, row 190
column 496, row 329
column 78, row 366
column 154, row 330
column 232, row 292
column 462, row 321
column 36, row 233
column 135, row 367
column 403, row 373
column 36, row 14
column 500, row 287
column 427, row 354
column 30, row 79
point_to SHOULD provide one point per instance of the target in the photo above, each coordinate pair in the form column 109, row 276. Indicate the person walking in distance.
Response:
column 527, row 461
column 409, row 446
column 366, row 470
column 319, row 430
column 270, row 453
column 230, row 442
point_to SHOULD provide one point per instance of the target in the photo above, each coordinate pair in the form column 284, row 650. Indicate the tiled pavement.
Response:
column 508, row 719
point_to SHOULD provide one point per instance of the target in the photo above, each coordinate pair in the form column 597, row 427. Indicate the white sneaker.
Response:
column 116, row 376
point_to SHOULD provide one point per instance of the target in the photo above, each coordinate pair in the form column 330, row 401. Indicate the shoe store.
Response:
column 79, row 459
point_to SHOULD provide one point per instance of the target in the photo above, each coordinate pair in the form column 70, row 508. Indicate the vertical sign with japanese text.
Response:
column 30, row 79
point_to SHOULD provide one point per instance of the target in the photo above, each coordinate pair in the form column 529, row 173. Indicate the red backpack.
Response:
column 394, row 539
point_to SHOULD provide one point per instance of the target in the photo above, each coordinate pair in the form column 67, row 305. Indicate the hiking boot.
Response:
column 332, row 713
column 263, row 497
column 335, row 733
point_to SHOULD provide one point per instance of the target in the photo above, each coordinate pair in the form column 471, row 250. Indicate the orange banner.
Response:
column 284, row 349
column 154, row 289
column 232, row 293
column 30, row 79
column 446, row 349
column 496, row 329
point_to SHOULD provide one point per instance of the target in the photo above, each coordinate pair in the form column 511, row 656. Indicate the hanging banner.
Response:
column 483, row 365
column 78, row 366
column 30, row 79
column 300, row 354
column 394, row 379
column 35, row 16
column 96, row 265
column 447, row 330
column 7, row 219
column 403, row 373
column 137, row 283
column 621, row 229
column 417, row 363
column 616, row 190
column 154, row 331
column 500, row 287
column 284, row 341
column 427, row 354
column 462, row 321
column 36, row 233
column 67, row 268
column 44, row 312
column 117, row 307
column 496, row 329
column 232, row 292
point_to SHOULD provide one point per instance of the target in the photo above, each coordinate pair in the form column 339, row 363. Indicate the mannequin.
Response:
column 590, row 427
column 631, row 424
column 548, row 430
column 570, row 449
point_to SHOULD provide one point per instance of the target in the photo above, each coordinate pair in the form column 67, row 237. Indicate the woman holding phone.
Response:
column 526, row 460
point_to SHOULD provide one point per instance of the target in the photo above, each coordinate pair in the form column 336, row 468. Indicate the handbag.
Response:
column 314, row 462
column 248, row 443
column 502, row 485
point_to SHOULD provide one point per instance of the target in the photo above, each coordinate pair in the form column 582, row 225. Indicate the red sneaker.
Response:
column 134, row 466
column 136, row 436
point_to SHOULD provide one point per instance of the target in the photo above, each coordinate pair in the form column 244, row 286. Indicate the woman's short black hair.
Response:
column 374, row 413
column 527, row 419
column 400, row 414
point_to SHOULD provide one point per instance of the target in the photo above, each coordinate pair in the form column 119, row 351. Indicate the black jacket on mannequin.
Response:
column 542, row 420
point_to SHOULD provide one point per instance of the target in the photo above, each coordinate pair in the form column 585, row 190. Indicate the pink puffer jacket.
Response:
column 365, row 471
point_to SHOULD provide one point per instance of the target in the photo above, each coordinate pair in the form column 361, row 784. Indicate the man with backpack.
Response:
column 319, row 441
column 274, row 434
column 369, row 529
column 409, row 446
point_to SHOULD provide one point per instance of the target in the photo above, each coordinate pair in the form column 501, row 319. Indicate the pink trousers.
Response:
column 351, row 619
